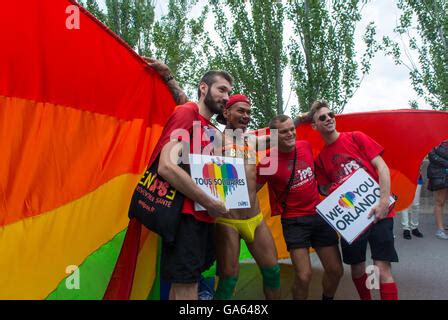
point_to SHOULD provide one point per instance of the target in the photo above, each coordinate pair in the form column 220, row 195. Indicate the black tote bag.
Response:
column 156, row 204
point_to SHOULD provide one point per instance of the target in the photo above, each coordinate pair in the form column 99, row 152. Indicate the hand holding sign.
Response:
column 216, row 208
column 350, row 208
column 380, row 211
column 223, row 179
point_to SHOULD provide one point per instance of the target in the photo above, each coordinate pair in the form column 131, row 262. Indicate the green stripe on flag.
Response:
column 94, row 273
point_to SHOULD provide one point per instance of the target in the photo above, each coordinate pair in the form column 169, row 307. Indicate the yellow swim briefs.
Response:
column 246, row 228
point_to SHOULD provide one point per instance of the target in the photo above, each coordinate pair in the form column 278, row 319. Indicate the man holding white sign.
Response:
column 193, row 250
column 343, row 154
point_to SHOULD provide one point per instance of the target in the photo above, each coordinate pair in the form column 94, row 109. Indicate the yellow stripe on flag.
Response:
column 37, row 251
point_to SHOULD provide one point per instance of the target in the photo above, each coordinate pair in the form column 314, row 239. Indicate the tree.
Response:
column 429, row 75
column 182, row 43
column 252, row 52
column 322, row 54
column 132, row 20
column 94, row 9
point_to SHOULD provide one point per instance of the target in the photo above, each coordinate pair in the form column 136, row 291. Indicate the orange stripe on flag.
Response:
column 52, row 154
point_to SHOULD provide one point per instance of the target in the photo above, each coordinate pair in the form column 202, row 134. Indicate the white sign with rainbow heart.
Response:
column 223, row 178
column 346, row 209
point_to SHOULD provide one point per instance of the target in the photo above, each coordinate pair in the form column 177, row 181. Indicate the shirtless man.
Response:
column 247, row 224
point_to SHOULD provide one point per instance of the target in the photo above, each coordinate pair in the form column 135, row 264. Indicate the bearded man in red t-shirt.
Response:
column 293, row 193
column 193, row 250
column 342, row 155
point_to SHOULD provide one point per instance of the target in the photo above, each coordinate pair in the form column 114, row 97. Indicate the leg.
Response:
column 439, row 200
column 302, row 265
column 382, row 246
column 354, row 255
column 405, row 219
column 184, row 291
column 388, row 287
column 415, row 208
column 359, row 278
column 227, row 242
column 181, row 263
column 331, row 261
column 406, row 216
column 358, row 270
column 385, row 271
column 265, row 254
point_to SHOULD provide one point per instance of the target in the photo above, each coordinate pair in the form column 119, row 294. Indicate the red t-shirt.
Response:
column 303, row 195
column 339, row 160
column 183, row 118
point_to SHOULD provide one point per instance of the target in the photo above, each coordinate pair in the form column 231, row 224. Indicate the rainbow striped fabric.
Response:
column 80, row 114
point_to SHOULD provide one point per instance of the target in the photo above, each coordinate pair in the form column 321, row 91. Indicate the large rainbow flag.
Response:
column 79, row 117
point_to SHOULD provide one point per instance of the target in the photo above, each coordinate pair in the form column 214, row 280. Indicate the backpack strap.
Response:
column 291, row 178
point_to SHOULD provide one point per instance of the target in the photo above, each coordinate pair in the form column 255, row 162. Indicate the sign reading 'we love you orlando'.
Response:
column 223, row 178
column 346, row 209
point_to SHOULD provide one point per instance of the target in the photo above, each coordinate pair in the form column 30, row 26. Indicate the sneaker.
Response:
column 407, row 235
column 441, row 234
column 417, row 233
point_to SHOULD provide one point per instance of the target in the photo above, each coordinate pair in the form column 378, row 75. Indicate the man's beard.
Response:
column 211, row 104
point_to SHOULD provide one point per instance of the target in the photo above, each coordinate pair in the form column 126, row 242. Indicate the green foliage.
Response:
column 429, row 75
column 251, row 46
column 252, row 51
column 182, row 44
column 132, row 20
column 93, row 8
column 322, row 54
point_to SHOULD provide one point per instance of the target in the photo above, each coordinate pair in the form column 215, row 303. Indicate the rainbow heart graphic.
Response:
column 347, row 200
column 224, row 172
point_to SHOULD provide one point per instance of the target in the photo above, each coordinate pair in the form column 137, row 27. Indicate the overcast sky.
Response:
column 386, row 87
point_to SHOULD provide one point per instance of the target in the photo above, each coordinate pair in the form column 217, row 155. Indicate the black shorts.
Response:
column 380, row 237
column 308, row 231
column 192, row 252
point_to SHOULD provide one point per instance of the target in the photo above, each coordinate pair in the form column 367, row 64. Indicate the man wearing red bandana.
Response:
column 247, row 224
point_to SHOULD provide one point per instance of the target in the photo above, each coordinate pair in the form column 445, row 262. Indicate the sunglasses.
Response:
column 323, row 117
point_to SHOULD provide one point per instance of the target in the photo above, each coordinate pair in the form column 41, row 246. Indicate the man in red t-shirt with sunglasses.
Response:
column 342, row 155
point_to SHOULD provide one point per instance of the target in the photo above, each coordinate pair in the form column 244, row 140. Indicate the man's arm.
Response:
column 182, row 182
column 162, row 69
column 302, row 118
column 382, row 209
